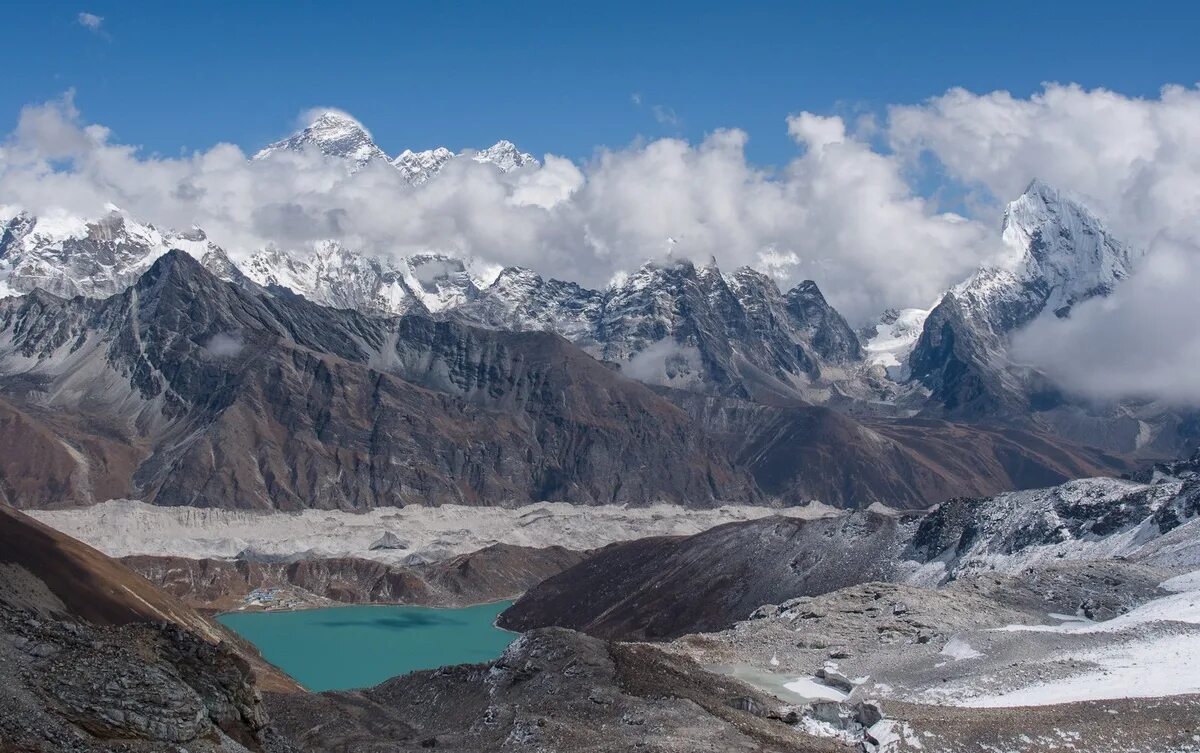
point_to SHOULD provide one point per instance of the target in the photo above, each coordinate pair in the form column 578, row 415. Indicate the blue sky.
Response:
column 560, row 77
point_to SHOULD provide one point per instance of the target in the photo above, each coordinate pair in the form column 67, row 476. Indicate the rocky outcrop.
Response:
column 665, row 587
column 93, row 657
column 551, row 690
column 501, row 571
column 693, row 328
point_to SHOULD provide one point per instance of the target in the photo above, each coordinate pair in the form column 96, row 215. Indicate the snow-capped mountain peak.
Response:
column 68, row 255
column 1060, row 243
column 333, row 134
column 418, row 167
column 506, row 156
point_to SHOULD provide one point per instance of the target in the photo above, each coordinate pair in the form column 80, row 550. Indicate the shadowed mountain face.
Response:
column 227, row 397
column 797, row 453
column 188, row 390
column 634, row 591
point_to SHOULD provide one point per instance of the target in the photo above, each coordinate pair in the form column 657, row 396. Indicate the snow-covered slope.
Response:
column 889, row 341
column 418, row 167
column 1059, row 254
column 332, row 275
column 70, row 256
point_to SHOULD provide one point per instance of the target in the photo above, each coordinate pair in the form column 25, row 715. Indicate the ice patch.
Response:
column 958, row 649
column 813, row 689
column 1181, row 583
column 1162, row 666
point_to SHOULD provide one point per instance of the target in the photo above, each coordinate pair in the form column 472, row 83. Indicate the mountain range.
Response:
column 144, row 356
column 341, row 137
column 673, row 323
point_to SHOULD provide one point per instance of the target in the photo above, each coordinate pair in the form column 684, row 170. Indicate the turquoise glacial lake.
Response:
column 356, row 647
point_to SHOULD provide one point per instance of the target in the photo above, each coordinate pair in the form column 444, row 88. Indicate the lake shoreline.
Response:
column 356, row 646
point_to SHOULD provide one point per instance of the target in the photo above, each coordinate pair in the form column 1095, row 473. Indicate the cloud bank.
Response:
column 840, row 213
column 844, row 211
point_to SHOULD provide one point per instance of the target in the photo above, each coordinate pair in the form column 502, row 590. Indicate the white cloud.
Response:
column 224, row 345
column 1136, row 162
column 816, row 131
column 90, row 21
column 666, row 116
column 842, row 215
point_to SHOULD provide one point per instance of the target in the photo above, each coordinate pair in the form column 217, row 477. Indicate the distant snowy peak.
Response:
column 70, row 256
column 506, row 156
column 334, row 135
column 1063, row 244
column 418, row 167
column 1060, row 254
column 332, row 275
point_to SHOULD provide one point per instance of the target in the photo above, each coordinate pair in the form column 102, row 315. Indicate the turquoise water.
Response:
column 355, row 647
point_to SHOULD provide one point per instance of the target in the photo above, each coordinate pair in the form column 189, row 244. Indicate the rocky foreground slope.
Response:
column 94, row 658
column 1095, row 623
column 664, row 587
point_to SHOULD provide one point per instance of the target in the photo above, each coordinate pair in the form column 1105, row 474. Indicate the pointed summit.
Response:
column 1059, row 244
column 506, row 156
column 334, row 134
column 418, row 167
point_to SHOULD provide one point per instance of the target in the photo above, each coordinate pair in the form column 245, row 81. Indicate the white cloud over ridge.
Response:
column 1136, row 162
column 844, row 211
column 842, row 214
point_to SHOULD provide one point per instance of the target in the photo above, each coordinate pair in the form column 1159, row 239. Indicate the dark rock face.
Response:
column 636, row 591
column 690, row 327
column 247, row 400
column 797, row 453
column 956, row 363
column 73, row 685
column 829, row 333
column 551, row 690
column 188, row 390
